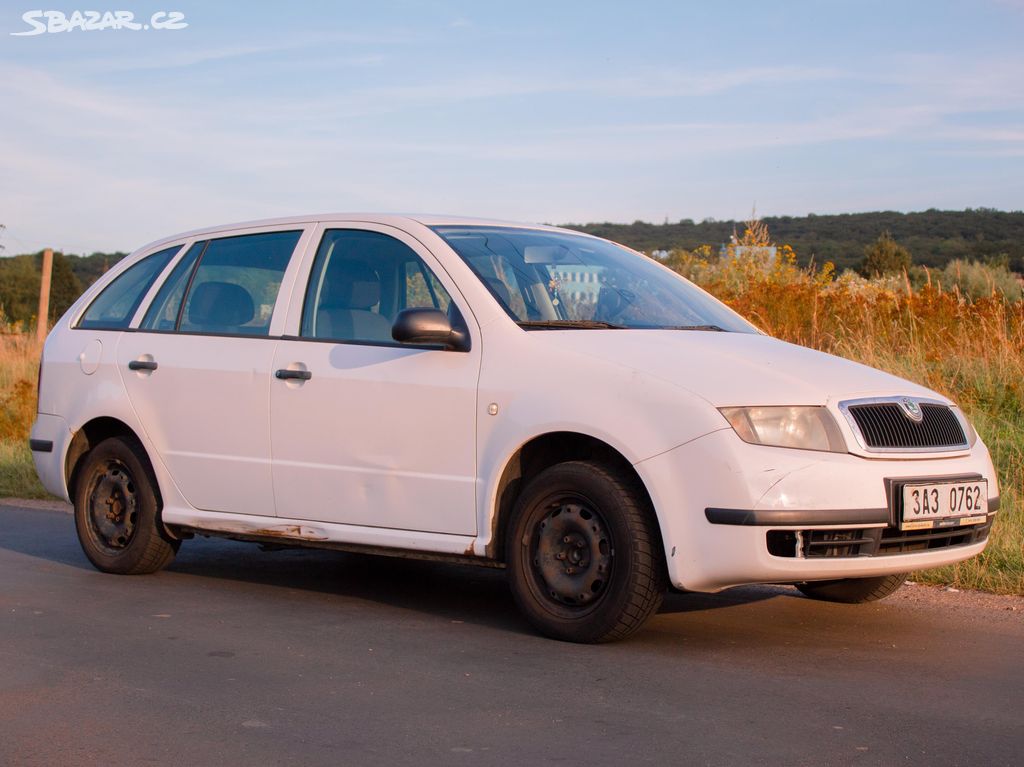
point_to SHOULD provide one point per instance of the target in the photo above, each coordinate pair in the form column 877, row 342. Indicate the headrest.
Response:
column 220, row 304
column 351, row 285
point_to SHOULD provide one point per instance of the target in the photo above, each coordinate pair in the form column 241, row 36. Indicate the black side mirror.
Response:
column 431, row 327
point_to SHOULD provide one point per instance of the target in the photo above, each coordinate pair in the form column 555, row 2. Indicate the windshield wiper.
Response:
column 569, row 324
column 601, row 325
column 716, row 328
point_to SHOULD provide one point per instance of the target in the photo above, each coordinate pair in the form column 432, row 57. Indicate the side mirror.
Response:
column 431, row 327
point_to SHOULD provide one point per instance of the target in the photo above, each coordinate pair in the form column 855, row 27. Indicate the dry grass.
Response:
column 19, row 365
column 19, row 355
column 970, row 350
column 17, row 474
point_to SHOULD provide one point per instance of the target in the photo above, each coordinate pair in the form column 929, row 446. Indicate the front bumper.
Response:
column 722, row 505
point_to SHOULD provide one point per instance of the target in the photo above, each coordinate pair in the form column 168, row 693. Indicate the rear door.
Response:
column 197, row 369
column 376, row 433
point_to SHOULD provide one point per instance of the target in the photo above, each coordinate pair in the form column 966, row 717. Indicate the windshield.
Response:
column 551, row 279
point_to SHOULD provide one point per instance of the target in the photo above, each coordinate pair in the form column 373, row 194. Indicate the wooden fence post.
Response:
column 43, row 317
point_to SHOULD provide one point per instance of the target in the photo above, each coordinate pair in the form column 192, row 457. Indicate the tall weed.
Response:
column 19, row 365
column 969, row 349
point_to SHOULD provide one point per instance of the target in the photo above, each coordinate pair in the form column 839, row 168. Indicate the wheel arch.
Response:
column 87, row 437
column 541, row 452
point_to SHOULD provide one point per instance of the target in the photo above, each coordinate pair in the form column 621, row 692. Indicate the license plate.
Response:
column 942, row 504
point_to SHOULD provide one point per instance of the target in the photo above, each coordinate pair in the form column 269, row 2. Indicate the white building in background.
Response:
column 581, row 284
column 731, row 250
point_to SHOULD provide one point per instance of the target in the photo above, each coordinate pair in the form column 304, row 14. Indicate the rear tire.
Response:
column 117, row 510
column 853, row 590
column 584, row 554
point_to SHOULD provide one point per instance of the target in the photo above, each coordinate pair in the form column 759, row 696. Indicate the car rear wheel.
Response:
column 117, row 510
column 853, row 590
column 584, row 554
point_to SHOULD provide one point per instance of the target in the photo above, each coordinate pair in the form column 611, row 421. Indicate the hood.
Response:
column 735, row 368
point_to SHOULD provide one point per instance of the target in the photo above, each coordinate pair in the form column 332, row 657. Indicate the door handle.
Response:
column 142, row 365
column 299, row 375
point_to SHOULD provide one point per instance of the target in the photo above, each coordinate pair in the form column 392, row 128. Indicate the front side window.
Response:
column 226, row 286
column 551, row 279
column 115, row 306
column 359, row 283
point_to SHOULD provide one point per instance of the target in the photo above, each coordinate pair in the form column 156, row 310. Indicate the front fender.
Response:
column 529, row 388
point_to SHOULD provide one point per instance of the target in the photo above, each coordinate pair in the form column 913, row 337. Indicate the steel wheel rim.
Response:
column 113, row 507
column 571, row 555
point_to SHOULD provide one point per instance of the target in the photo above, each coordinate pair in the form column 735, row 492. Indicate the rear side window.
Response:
column 229, row 286
column 115, row 306
column 162, row 314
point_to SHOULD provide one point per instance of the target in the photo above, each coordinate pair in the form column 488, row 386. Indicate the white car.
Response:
column 507, row 395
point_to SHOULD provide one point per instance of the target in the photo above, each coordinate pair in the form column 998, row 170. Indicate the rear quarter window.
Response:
column 115, row 306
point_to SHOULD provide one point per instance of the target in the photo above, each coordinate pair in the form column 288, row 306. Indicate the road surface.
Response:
column 234, row 656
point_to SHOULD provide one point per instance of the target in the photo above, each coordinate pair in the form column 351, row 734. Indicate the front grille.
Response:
column 884, row 427
column 872, row 542
column 895, row 541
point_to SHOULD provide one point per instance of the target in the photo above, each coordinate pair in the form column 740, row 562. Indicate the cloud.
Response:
column 92, row 163
column 344, row 46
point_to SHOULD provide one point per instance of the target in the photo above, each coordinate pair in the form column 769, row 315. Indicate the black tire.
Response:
column 584, row 554
column 853, row 590
column 117, row 510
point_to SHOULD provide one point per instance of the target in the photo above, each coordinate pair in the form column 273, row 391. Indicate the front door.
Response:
column 366, row 431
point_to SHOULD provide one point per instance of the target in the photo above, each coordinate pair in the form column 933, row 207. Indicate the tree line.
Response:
column 932, row 237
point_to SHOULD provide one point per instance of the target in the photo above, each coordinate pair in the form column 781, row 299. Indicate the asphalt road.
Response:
column 237, row 656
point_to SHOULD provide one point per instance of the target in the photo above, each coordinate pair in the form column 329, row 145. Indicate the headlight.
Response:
column 805, row 428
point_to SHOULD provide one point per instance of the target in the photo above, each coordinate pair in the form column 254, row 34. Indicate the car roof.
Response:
column 393, row 219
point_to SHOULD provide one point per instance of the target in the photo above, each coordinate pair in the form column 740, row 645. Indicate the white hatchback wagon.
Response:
column 515, row 396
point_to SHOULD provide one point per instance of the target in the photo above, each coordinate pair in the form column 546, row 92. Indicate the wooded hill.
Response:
column 934, row 237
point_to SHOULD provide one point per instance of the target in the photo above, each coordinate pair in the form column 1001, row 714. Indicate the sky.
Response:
column 555, row 111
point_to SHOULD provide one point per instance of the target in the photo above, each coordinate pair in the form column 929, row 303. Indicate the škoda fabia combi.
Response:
column 518, row 396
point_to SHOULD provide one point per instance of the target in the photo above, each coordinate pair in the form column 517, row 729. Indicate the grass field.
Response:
column 971, row 350
column 19, row 365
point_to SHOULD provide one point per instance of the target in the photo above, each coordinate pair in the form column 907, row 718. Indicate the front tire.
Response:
column 117, row 510
column 853, row 590
column 584, row 555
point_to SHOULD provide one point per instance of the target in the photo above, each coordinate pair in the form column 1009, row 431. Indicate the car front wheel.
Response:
column 853, row 590
column 584, row 554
